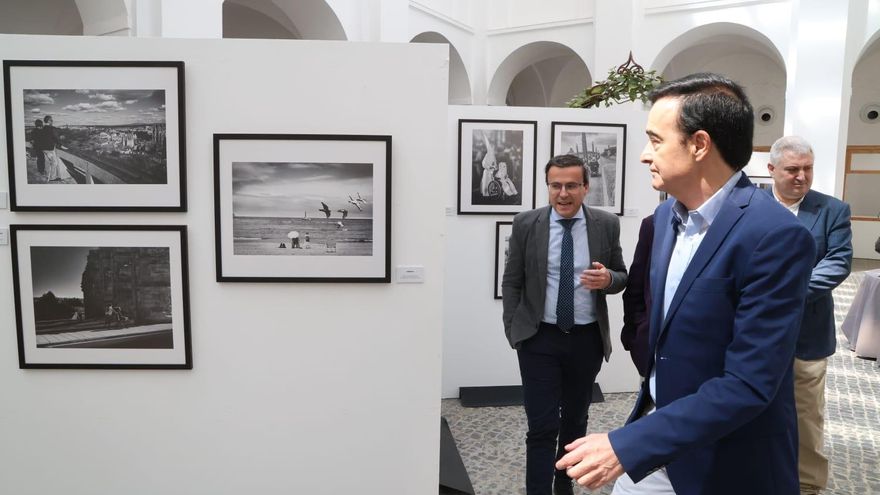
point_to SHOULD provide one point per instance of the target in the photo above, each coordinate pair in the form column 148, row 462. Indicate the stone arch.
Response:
column 459, row 82
column 742, row 54
column 864, row 105
column 287, row 19
column 65, row 17
column 542, row 73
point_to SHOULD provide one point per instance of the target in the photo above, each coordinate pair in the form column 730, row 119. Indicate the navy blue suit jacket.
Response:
column 637, row 299
column 725, row 421
column 828, row 220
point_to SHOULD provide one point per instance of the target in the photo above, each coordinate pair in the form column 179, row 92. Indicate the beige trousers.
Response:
column 809, row 397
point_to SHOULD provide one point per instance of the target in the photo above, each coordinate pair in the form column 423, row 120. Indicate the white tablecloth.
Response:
column 862, row 323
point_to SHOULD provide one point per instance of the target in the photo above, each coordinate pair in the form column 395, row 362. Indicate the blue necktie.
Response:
column 565, row 299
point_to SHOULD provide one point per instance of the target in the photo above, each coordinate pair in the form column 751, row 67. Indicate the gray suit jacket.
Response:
column 524, row 284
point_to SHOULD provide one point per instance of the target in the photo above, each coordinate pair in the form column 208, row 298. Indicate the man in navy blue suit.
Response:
column 729, row 274
column 828, row 220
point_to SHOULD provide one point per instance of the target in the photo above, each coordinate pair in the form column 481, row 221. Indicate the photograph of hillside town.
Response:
column 95, row 136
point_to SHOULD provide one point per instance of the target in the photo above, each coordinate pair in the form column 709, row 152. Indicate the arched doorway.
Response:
column 540, row 74
column 459, row 83
column 290, row 19
column 742, row 54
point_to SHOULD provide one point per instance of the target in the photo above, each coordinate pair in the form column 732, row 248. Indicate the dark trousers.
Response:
column 41, row 161
column 558, row 370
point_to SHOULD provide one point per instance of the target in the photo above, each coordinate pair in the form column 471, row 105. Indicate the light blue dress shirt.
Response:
column 692, row 227
column 584, row 299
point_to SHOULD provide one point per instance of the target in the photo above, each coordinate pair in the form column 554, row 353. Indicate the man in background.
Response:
column 563, row 259
column 828, row 220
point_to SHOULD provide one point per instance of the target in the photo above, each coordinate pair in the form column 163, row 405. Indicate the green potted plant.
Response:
column 629, row 82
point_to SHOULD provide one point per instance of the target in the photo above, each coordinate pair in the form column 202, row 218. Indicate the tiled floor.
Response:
column 491, row 440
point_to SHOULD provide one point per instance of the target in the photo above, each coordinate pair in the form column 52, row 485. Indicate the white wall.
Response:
column 475, row 351
column 296, row 388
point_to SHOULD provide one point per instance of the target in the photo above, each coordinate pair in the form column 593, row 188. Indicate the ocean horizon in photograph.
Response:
column 98, row 136
column 102, row 297
column 302, row 209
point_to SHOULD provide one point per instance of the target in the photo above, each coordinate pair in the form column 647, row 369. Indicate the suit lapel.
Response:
column 542, row 238
column 729, row 214
column 593, row 238
column 661, row 251
column 808, row 212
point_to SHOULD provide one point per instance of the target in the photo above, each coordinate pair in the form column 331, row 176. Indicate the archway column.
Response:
column 818, row 84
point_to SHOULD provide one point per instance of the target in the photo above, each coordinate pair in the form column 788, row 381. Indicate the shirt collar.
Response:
column 792, row 207
column 710, row 208
column 555, row 216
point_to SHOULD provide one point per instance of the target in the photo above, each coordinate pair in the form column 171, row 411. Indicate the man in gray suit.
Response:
column 563, row 259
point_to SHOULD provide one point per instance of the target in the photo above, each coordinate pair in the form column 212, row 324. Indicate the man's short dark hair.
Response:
column 563, row 161
column 717, row 105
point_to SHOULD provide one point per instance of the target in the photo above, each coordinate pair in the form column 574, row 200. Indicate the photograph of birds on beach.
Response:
column 302, row 209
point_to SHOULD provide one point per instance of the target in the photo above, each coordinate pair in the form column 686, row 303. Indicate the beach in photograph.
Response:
column 266, row 235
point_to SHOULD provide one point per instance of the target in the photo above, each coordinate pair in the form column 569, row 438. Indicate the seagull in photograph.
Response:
column 351, row 201
column 360, row 200
column 339, row 225
column 325, row 209
column 344, row 213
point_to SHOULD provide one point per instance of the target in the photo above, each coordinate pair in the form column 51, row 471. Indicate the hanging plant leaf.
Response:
column 629, row 82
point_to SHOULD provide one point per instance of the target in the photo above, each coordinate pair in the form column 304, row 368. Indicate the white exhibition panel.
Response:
column 295, row 388
column 475, row 351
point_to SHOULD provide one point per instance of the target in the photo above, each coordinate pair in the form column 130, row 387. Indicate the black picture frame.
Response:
column 607, row 166
column 122, row 297
column 302, row 208
column 496, row 166
column 502, row 237
column 118, row 141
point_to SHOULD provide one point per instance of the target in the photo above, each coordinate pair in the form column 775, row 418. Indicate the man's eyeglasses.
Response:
column 570, row 186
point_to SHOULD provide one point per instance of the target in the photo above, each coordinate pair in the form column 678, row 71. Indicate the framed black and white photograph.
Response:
column 496, row 166
column 502, row 242
column 95, row 136
column 602, row 147
column 302, row 208
column 101, row 296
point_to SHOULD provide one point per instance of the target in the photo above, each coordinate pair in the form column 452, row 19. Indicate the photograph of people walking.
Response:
column 101, row 296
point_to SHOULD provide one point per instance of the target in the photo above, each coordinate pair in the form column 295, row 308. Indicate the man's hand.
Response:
column 591, row 461
column 597, row 277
